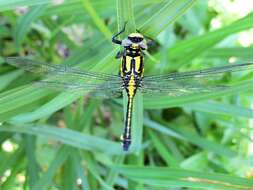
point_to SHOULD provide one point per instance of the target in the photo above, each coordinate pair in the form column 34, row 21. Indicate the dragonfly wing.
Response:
column 64, row 78
column 104, row 90
column 57, row 70
column 202, row 81
column 180, row 87
column 212, row 72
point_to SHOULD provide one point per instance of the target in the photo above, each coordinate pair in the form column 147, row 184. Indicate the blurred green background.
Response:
column 67, row 141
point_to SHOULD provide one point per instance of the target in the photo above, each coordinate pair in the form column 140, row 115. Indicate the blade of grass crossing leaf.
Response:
column 85, row 118
column 18, row 165
column 49, row 108
column 206, row 144
column 13, row 4
column 125, row 14
column 68, row 117
column 6, row 79
column 80, row 170
column 162, row 176
column 244, row 53
column 1, row 60
column 192, row 138
column 33, row 168
column 96, row 18
column 170, row 10
column 68, row 173
column 19, row 97
column 197, row 45
column 162, row 150
column 47, row 178
column 200, row 184
column 222, row 109
column 165, row 130
column 69, row 137
column 239, row 25
column 137, row 160
column 11, row 160
column 24, row 23
column 94, row 170
column 112, row 176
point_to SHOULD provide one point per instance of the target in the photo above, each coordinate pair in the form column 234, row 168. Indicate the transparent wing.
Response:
column 56, row 70
column 105, row 90
column 202, row 81
column 61, row 77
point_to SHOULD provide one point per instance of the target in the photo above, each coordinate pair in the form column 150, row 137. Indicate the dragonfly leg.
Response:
column 120, row 54
column 116, row 41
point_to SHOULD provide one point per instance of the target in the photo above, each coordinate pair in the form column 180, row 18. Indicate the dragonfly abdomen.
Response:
column 131, row 72
column 126, row 140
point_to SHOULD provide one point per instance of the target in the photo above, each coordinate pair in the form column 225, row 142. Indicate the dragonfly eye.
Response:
column 135, row 39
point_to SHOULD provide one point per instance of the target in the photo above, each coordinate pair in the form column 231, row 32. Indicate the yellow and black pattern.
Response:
column 131, row 73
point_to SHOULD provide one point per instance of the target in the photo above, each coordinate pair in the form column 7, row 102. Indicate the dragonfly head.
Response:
column 135, row 41
column 135, row 37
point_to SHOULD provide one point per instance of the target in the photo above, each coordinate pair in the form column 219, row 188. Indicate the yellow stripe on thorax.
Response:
column 128, row 63
column 137, row 63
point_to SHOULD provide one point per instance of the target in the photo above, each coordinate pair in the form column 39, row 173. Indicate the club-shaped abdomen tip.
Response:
column 126, row 143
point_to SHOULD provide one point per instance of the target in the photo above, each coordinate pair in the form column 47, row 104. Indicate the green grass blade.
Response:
column 168, row 177
column 94, row 169
column 244, row 53
column 222, row 109
column 13, row 4
column 57, row 103
column 25, row 21
column 17, row 162
column 96, row 18
column 171, row 10
column 125, row 14
column 9, row 161
column 69, row 137
column 162, row 150
column 20, row 97
column 195, row 46
column 192, row 138
column 46, row 180
column 80, row 171
column 112, row 176
column 6, row 79
column 33, row 167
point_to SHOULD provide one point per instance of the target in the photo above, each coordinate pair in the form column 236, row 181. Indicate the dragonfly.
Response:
column 129, row 79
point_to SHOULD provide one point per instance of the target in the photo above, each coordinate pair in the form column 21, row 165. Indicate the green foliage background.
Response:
column 52, row 140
